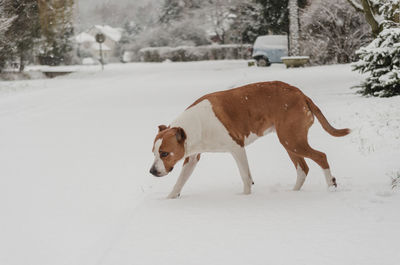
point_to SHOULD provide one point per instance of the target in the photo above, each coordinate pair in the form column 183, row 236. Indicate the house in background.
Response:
column 88, row 47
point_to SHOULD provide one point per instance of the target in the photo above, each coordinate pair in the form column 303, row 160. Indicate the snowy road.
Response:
column 75, row 189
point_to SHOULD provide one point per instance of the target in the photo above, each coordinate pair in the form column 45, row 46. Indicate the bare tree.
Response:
column 331, row 32
column 219, row 16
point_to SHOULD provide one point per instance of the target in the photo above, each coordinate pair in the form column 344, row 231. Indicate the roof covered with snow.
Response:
column 271, row 41
column 84, row 37
column 113, row 33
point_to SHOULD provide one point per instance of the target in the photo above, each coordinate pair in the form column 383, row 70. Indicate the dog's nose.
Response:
column 154, row 171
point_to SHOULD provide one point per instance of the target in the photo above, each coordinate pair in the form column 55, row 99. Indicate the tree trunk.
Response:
column 369, row 15
column 396, row 17
column 44, row 17
column 21, row 62
column 294, row 44
column 375, row 27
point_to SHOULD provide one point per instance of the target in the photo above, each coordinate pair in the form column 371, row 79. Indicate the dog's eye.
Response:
column 164, row 154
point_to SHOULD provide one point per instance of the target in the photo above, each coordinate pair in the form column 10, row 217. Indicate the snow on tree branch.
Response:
column 381, row 59
column 5, row 23
column 357, row 6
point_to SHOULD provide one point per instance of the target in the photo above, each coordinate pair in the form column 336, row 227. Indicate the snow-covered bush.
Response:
column 381, row 59
column 185, row 32
column 331, row 32
column 191, row 53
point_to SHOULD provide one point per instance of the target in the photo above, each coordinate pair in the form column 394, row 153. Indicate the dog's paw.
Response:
column 332, row 185
column 246, row 192
column 332, row 188
column 173, row 195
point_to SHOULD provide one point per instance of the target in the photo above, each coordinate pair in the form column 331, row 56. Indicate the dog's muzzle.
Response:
column 154, row 171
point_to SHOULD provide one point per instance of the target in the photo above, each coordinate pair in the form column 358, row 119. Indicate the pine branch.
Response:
column 6, row 22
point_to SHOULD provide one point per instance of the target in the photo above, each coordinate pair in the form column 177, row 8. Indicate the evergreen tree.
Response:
column 260, row 17
column 249, row 22
column 275, row 15
column 24, row 29
column 6, row 20
column 381, row 58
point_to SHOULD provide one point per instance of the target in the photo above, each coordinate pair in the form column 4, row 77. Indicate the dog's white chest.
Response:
column 205, row 132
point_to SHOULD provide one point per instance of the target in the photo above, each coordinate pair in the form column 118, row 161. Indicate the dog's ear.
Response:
column 162, row 128
column 180, row 135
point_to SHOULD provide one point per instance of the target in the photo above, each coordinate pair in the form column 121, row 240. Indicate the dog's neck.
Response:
column 192, row 127
column 204, row 132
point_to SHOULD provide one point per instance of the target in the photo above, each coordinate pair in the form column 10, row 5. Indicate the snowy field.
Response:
column 75, row 152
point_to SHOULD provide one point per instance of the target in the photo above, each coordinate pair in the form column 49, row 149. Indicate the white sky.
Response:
column 86, row 17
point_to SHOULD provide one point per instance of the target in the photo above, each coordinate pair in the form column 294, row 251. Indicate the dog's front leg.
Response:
column 188, row 166
column 239, row 154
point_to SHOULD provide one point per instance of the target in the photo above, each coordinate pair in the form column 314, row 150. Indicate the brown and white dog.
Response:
column 227, row 121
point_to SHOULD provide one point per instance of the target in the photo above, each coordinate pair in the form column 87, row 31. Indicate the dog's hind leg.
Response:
column 297, row 144
column 239, row 154
column 188, row 166
column 301, row 168
column 293, row 136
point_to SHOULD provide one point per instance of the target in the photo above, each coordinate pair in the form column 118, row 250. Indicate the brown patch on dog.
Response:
column 253, row 108
column 162, row 128
column 186, row 161
column 256, row 107
column 173, row 140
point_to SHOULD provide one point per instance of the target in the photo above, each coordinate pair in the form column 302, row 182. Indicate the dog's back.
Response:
column 254, row 108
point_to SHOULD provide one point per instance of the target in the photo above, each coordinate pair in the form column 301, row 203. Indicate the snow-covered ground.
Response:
column 75, row 152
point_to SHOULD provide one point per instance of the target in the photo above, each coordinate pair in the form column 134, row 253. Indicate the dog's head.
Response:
column 168, row 149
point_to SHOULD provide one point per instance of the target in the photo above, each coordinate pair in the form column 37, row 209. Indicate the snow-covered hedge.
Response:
column 381, row 59
column 195, row 53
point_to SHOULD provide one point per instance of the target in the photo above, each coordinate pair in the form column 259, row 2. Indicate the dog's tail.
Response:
column 324, row 122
